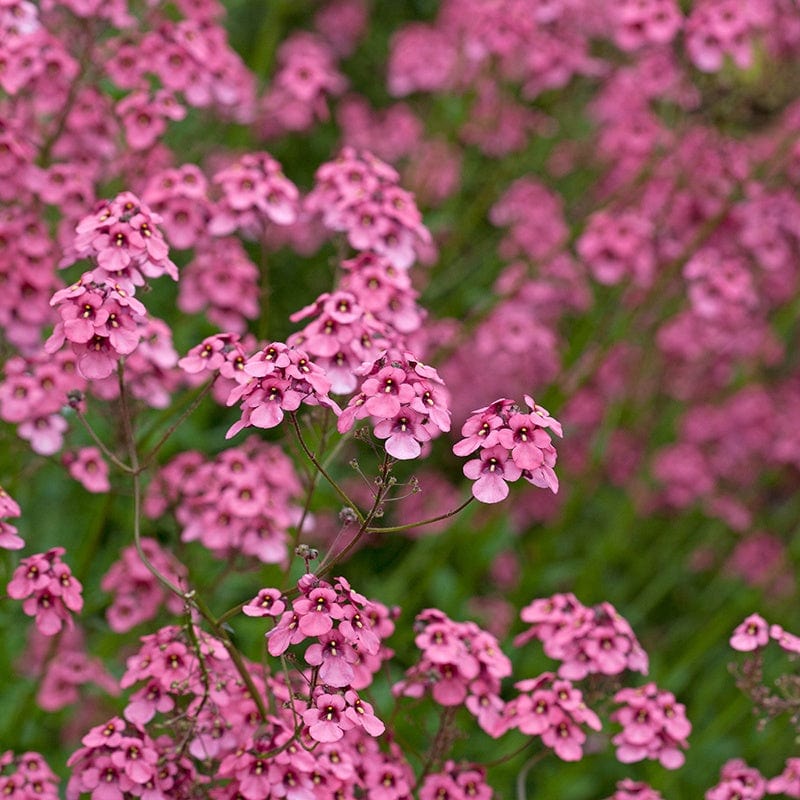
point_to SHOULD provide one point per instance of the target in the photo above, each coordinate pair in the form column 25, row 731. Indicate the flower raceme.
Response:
column 405, row 399
column 121, row 237
column 49, row 590
column 279, row 379
column 102, row 323
column 511, row 444
column 460, row 664
column 588, row 641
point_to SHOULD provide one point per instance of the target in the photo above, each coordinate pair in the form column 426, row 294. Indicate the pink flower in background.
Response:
column 48, row 590
column 750, row 634
column 653, row 724
column 628, row 789
column 88, row 467
column 9, row 538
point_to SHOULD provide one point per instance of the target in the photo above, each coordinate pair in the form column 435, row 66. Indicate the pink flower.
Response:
column 490, row 474
column 48, row 590
column 750, row 634
column 267, row 603
column 89, row 468
column 326, row 722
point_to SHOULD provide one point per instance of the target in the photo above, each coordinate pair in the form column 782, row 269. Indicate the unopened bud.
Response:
column 306, row 553
column 348, row 516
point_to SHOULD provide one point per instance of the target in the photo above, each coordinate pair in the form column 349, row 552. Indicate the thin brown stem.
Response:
column 99, row 442
column 410, row 525
column 148, row 459
column 325, row 474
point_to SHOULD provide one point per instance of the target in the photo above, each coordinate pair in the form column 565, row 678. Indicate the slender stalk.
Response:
column 383, row 489
column 99, row 442
column 312, row 485
column 148, row 459
column 410, row 525
column 513, row 754
column 325, row 474
column 190, row 597
column 441, row 743
column 522, row 775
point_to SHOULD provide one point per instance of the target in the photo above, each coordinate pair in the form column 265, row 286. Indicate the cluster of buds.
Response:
column 512, row 444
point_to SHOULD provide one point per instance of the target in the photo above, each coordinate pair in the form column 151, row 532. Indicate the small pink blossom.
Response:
column 750, row 634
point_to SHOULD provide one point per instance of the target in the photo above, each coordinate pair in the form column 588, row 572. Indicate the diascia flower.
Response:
column 281, row 378
column 512, row 444
column 49, row 590
column 405, row 399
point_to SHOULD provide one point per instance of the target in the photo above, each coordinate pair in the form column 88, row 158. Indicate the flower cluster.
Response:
column 588, row 641
column 405, row 399
column 179, row 196
column 122, row 238
column 101, row 322
column 346, row 630
column 49, row 590
column 63, row 667
column 738, row 780
column 223, row 281
column 456, row 782
column 654, row 726
column 755, row 632
column 137, row 592
column 33, row 393
column 340, row 337
column 553, row 709
column 359, row 194
column 255, row 192
column 460, row 664
column 117, row 760
column 9, row 508
column 239, row 502
column 27, row 776
column 297, row 94
column 385, row 292
column 634, row 790
column 274, row 380
column 512, row 444
column 618, row 247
